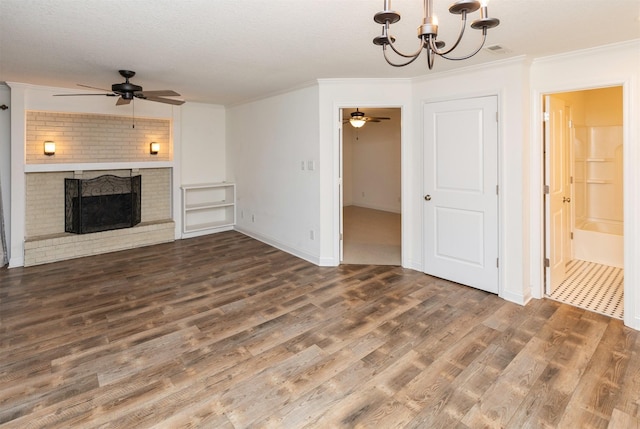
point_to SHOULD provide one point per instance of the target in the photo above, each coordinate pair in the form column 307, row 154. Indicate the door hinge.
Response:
column 571, row 180
column 545, row 116
column 497, row 262
column 571, row 235
column 546, row 189
column 340, row 236
column 497, row 117
column 497, row 189
column 547, row 263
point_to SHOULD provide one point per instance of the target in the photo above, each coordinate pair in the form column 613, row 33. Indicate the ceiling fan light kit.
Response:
column 358, row 119
column 127, row 91
column 428, row 31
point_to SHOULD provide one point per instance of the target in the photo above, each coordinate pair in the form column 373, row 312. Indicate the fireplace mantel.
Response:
column 96, row 166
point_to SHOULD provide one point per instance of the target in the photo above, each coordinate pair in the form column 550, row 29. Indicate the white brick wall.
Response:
column 156, row 194
column 44, row 212
column 68, row 246
column 45, row 198
column 95, row 138
column 91, row 138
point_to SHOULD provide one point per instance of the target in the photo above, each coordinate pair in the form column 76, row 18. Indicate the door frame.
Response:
column 339, row 175
column 537, row 192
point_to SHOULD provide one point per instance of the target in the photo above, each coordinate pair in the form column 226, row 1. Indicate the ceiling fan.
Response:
column 358, row 119
column 127, row 91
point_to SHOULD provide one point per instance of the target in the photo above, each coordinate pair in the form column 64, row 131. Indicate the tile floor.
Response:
column 594, row 287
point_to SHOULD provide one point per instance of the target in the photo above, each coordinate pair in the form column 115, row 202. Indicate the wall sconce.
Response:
column 154, row 148
column 49, row 148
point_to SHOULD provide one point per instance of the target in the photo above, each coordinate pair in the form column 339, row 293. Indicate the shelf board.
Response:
column 207, row 185
column 208, row 225
column 209, row 205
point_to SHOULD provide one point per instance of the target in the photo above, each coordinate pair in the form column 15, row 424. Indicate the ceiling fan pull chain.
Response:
column 133, row 113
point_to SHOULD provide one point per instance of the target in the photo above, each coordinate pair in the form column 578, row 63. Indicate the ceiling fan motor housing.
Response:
column 126, row 89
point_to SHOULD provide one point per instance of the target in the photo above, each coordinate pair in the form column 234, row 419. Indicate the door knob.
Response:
column 427, row 197
column 566, row 200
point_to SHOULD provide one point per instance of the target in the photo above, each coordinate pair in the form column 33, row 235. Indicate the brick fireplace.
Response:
column 100, row 142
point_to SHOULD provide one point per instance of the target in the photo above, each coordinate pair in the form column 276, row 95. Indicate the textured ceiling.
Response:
column 229, row 51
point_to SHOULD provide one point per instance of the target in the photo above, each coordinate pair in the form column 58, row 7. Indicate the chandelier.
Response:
column 428, row 31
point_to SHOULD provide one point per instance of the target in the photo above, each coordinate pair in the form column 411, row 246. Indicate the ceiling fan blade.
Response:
column 160, row 93
column 164, row 100
column 93, row 87
column 122, row 101
column 378, row 117
column 76, row 95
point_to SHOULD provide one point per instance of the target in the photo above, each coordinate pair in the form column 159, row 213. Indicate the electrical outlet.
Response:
column 310, row 165
column 363, row 193
column 312, row 234
column 301, row 165
column 253, row 218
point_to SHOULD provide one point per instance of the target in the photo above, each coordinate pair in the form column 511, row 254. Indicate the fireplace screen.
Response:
column 101, row 204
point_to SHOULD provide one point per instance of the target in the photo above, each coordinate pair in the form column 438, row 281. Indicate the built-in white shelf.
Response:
column 599, row 159
column 208, row 208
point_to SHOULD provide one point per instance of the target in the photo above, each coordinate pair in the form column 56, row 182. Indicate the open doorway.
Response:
column 584, row 243
column 371, row 188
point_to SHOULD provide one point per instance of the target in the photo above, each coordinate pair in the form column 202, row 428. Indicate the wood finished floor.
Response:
column 223, row 331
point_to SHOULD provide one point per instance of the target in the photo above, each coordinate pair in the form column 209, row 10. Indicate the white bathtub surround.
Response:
column 600, row 242
column 594, row 287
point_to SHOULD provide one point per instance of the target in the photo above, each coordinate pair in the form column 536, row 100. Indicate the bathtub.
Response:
column 599, row 242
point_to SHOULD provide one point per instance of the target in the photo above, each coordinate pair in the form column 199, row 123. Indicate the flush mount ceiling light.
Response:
column 428, row 31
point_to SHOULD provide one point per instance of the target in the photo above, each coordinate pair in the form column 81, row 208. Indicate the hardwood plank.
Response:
column 225, row 331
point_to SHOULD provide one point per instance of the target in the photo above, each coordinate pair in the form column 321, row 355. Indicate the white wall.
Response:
column 273, row 151
column 607, row 66
column 203, row 151
column 371, row 163
column 509, row 81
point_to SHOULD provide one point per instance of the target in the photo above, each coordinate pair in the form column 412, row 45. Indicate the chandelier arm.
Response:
column 430, row 57
column 463, row 26
column 484, row 38
column 414, row 55
column 384, row 51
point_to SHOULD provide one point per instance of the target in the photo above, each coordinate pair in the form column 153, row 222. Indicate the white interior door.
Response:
column 557, row 250
column 461, row 194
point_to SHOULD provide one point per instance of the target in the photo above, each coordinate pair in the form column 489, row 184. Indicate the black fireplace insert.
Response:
column 102, row 204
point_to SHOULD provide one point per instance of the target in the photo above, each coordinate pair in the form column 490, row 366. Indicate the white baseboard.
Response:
column 281, row 246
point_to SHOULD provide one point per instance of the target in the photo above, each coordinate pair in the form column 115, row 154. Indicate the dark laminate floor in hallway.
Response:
column 223, row 331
